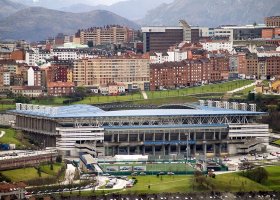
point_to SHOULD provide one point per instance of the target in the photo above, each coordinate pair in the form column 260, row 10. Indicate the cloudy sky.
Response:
column 108, row 2
column 92, row 2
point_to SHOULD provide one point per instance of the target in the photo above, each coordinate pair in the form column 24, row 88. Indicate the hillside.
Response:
column 8, row 7
column 133, row 9
column 212, row 13
column 36, row 23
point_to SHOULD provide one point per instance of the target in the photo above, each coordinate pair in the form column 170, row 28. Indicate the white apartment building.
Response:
column 170, row 56
column 34, row 76
column 217, row 45
column 35, row 56
column 6, row 78
column 65, row 53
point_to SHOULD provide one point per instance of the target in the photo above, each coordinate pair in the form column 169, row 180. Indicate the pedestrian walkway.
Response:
column 2, row 133
column 229, row 94
column 243, row 88
column 69, row 174
column 144, row 94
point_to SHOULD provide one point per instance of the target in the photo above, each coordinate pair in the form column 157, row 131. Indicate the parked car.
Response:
column 110, row 169
column 134, row 174
column 138, row 168
column 124, row 168
column 109, row 185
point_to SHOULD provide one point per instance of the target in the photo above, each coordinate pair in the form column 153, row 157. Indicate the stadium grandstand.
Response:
column 209, row 128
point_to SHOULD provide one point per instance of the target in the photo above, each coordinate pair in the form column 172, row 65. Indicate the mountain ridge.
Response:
column 7, row 7
column 133, row 9
column 212, row 13
column 37, row 23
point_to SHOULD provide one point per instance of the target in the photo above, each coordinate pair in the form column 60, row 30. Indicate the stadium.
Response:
column 209, row 128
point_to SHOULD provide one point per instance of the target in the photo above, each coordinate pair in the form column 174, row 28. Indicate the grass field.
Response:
column 277, row 142
column 167, row 184
column 110, row 99
column 213, row 88
column 30, row 173
column 273, row 181
column 23, row 174
column 234, row 183
column 9, row 137
column 56, row 167
column 7, row 107
column 13, row 136
column 229, row 182
column 226, row 182
column 50, row 101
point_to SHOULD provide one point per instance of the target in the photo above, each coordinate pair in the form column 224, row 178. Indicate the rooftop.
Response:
column 84, row 111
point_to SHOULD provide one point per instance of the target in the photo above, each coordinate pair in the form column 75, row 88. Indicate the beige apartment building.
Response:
column 130, row 70
column 106, row 35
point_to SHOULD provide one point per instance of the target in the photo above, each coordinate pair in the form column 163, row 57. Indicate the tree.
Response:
column 80, row 92
column 90, row 43
column 258, row 174
column 59, row 159
column 39, row 171
column 77, row 174
column 51, row 166
column 22, row 99
column 251, row 96
column 199, row 178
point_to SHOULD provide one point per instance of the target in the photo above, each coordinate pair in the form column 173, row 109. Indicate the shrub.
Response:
column 258, row 174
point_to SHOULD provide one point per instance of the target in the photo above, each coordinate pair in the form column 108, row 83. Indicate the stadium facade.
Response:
column 208, row 128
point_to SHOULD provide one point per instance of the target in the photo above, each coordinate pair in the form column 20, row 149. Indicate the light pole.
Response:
column 187, row 148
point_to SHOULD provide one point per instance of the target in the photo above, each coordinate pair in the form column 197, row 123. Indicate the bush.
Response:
column 72, row 100
column 22, row 99
column 4, row 178
column 58, row 159
column 259, row 174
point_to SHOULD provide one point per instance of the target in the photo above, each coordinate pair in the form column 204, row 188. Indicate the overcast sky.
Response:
column 108, row 2
column 97, row 2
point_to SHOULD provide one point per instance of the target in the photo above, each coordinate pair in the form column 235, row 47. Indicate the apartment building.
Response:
column 186, row 73
column 60, row 88
column 64, row 53
column 102, row 71
column 106, row 35
column 272, row 21
column 217, row 45
column 262, row 67
column 34, row 76
column 60, row 70
column 36, row 55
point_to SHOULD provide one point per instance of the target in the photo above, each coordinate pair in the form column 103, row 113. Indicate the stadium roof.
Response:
column 87, row 111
